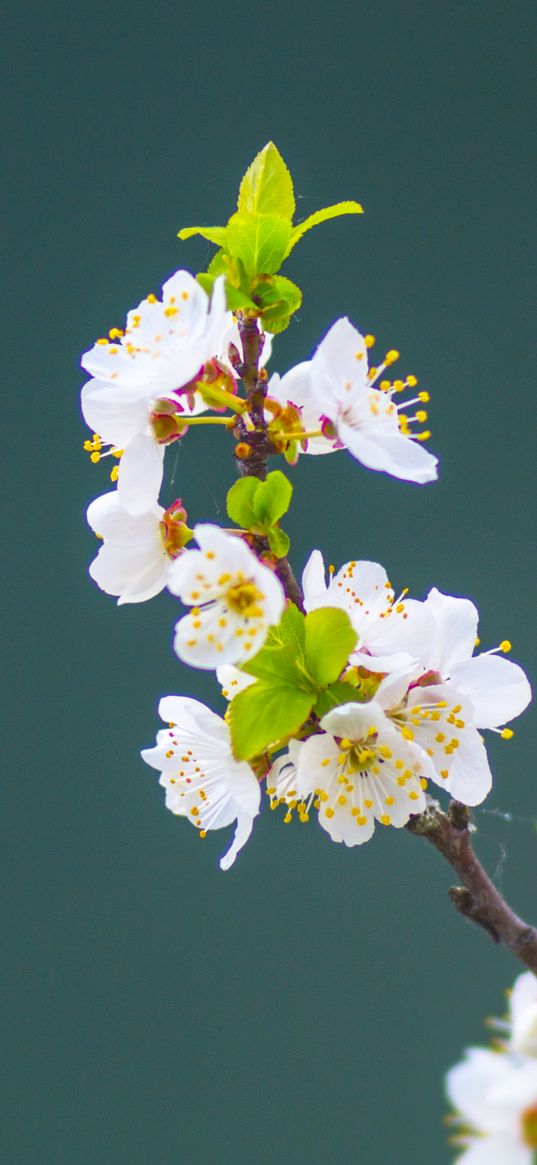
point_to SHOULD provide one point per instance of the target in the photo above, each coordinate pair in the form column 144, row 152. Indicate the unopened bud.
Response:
column 243, row 451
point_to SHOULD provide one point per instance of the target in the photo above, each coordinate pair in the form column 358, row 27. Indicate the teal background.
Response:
column 305, row 1006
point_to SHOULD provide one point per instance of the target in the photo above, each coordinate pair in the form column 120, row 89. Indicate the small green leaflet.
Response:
column 260, row 241
column 320, row 216
column 257, row 505
column 265, row 713
column 267, row 186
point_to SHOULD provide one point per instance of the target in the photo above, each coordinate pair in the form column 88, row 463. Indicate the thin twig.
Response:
column 477, row 898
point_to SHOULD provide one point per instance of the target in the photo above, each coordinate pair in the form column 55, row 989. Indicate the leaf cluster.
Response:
column 297, row 673
column 257, row 239
column 257, row 506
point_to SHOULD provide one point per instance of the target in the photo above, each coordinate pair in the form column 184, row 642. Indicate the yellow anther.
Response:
column 329, row 812
column 423, row 436
column 114, row 474
column 385, row 820
column 116, row 333
column 424, row 397
column 151, row 298
column 413, row 796
column 507, row 733
column 505, row 645
column 422, row 416
column 399, row 385
column 385, row 385
column 345, row 743
column 391, row 356
column 331, row 568
column 390, row 800
column 95, row 457
column 369, row 341
column 412, row 382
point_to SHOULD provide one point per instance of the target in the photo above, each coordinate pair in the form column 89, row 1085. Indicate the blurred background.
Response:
column 305, row 1006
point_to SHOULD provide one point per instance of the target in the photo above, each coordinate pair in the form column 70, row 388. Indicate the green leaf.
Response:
column 267, row 186
column 212, row 234
column 330, row 638
column 322, row 216
column 290, row 630
column 276, row 664
column 279, row 541
column 265, row 713
column 277, row 297
column 335, row 695
column 239, row 501
column 260, row 241
column 272, row 498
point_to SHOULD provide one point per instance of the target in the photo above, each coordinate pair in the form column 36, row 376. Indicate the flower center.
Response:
column 356, row 755
column 529, row 1127
column 243, row 597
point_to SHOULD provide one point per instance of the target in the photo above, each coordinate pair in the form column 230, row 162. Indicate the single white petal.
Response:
column 498, row 689
column 242, row 832
column 455, row 631
column 140, row 474
column 109, row 519
column 340, row 366
column 116, row 413
column 133, row 574
column 388, row 452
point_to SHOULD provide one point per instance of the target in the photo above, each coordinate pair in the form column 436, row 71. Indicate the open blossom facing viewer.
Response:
column 234, row 600
column 138, row 371
column 360, row 769
column 202, row 779
column 134, row 560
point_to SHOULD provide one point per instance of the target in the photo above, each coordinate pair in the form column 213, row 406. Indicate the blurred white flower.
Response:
column 495, row 1098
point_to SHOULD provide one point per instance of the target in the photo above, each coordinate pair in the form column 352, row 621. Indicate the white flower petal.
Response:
column 389, row 452
column 498, row 689
column 455, row 631
column 140, row 474
column 115, row 413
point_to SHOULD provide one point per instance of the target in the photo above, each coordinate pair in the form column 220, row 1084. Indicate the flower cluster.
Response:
column 343, row 698
column 494, row 1090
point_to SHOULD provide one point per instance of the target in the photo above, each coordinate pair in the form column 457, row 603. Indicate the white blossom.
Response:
column 495, row 1096
column 337, row 394
column 358, row 770
column 392, row 632
column 163, row 347
column 523, row 1015
column 137, row 550
column 202, row 779
column 234, row 600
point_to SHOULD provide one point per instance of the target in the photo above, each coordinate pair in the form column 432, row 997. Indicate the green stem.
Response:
column 213, row 395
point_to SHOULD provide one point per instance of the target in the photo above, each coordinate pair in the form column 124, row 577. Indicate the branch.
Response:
column 259, row 444
column 477, row 898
